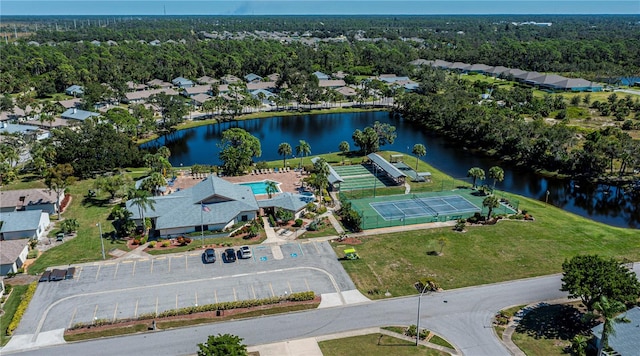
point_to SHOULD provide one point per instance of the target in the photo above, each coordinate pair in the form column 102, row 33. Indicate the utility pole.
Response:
column 101, row 240
column 418, row 321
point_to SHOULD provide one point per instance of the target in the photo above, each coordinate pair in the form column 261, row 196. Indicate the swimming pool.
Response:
column 260, row 187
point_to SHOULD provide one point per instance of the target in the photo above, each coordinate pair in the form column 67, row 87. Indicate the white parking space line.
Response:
column 254, row 292
column 306, row 284
column 196, row 298
column 98, row 272
column 176, row 300
column 271, row 287
column 73, row 315
column 235, row 297
column 169, row 264
column 215, row 294
column 315, row 244
column 289, row 284
column 133, row 272
column 156, row 305
column 135, row 313
column 115, row 273
column 186, row 263
column 115, row 313
column 152, row 266
column 95, row 311
column 78, row 275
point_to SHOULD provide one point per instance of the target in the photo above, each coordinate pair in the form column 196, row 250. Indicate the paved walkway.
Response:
column 136, row 253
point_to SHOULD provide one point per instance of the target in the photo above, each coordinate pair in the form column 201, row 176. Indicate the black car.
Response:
column 45, row 276
column 230, row 255
column 209, row 256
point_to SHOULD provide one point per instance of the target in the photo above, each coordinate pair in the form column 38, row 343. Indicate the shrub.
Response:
column 33, row 254
column 411, row 332
column 22, row 307
column 321, row 210
column 166, row 243
column 298, row 223
column 152, row 244
column 460, row 224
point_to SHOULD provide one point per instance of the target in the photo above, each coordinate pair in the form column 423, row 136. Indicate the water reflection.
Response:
column 603, row 203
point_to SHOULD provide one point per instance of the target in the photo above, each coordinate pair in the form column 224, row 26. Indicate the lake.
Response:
column 324, row 133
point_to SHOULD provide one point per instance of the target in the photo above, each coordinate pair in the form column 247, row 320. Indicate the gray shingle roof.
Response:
column 77, row 114
column 20, row 220
column 627, row 336
column 225, row 201
column 11, row 249
column 287, row 201
column 13, row 198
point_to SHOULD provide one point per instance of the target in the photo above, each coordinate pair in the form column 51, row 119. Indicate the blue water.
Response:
column 199, row 145
column 258, row 188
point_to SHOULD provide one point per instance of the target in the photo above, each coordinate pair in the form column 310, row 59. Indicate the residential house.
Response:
column 252, row 78
column 29, row 199
column 211, row 205
column 336, row 83
column 28, row 224
column 478, row 68
column 273, row 77
column 13, row 254
column 421, row 62
column 69, row 104
column 26, row 130
column 131, row 86
column 230, row 79
column 159, row 84
column 347, row 91
column 460, row 67
column 267, row 96
column 199, row 99
column 496, row 71
column 74, row 90
column 142, row 96
column 196, row 89
column 321, row 76
column 95, row 42
column 270, row 86
column 206, row 80
column 626, row 336
column 339, row 75
column 77, row 114
column 181, row 82
column 155, row 43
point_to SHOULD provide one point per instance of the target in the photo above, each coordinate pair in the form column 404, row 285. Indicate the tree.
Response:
column 442, row 241
column 590, row 277
column 419, row 150
column 115, row 185
column 608, row 311
column 497, row 174
column 237, row 150
column 223, row 345
column 153, row 183
column 284, row 149
column 58, row 178
column 320, row 180
column 374, row 136
column 491, row 202
column 476, row 173
column 344, row 148
column 303, row 149
column 579, row 345
column 271, row 187
column 69, row 225
column 142, row 200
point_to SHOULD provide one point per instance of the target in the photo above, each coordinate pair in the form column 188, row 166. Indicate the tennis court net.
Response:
column 425, row 205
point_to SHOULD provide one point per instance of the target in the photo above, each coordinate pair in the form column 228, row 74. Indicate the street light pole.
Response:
column 101, row 240
column 418, row 321
column 375, row 168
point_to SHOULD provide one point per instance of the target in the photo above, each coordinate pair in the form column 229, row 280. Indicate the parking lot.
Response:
column 128, row 288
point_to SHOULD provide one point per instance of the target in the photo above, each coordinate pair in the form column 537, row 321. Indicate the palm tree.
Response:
column 344, row 148
column 419, row 150
column 491, row 202
column 476, row 173
column 153, row 183
column 303, row 149
column 164, row 151
column 284, row 149
column 321, row 181
column 271, row 187
column 497, row 174
column 142, row 199
column 608, row 311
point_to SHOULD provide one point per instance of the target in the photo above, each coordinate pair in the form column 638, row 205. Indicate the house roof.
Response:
column 225, row 201
column 347, row 91
column 626, row 338
column 570, row 83
column 331, row 83
column 135, row 86
column 459, row 65
column 206, row 80
column 201, row 98
column 478, row 68
column 11, row 249
column 261, row 85
column 159, row 83
column 251, row 77
column 441, row 64
column 181, row 81
column 197, row 89
column 497, row 70
column 288, row 201
column 514, row 72
column 420, row 62
column 77, row 114
column 145, row 94
column 17, row 128
column 385, row 165
column 230, row 79
column 74, row 89
column 266, row 93
column 71, row 103
column 273, row 77
column 24, row 197
column 20, row 220
column 320, row 75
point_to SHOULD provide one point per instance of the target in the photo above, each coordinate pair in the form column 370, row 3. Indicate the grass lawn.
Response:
column 197, row 243
column 10, row 307
column 85, row 247
column 483, row 254
column 374, row 344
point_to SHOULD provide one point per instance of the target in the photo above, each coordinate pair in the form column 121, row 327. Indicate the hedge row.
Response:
column 293, row 297
column 22, row 307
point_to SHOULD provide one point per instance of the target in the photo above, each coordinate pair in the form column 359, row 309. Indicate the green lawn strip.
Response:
column 10, row 307
column 146, row 324
column 485, row 254
column 373, row 345
column 85, row 247
column 542, row 346
column 197, row 243
column 435, row 339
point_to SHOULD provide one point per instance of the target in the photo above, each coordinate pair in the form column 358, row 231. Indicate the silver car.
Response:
column 245, row 252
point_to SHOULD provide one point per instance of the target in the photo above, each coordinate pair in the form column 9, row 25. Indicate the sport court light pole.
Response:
column 99, row 225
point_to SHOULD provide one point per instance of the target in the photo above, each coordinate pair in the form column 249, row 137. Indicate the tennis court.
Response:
column 359, row 177
column 423, row 207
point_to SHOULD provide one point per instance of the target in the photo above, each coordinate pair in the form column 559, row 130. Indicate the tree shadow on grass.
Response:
column 557, row 321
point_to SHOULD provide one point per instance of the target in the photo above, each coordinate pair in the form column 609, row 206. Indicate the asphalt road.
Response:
column 462, row 316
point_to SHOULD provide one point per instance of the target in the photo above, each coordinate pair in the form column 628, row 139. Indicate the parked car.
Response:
column 45, row 276
column 58, row 275
column 230, row 255
column 209, row 256
column 60, row 237
column 70, row 272
column 245, row 252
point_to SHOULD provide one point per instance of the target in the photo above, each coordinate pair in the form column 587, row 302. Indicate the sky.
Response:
column 315, row 7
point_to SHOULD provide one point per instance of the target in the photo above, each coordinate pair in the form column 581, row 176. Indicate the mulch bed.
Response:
column 65, row 202
column 205, row 315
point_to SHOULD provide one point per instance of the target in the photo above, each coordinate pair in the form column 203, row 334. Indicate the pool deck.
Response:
column 289, row 181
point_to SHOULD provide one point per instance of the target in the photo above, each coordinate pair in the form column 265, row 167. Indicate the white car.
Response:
column 245, row 252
